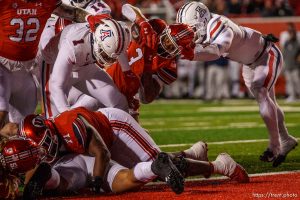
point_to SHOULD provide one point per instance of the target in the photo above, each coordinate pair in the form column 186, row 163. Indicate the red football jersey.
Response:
column 164, row 68
column 22, row 24
column 72, row 130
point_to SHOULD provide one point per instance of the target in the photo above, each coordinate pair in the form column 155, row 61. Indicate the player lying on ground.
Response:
column 75, row 138
column 217, row 36
column 132, row 149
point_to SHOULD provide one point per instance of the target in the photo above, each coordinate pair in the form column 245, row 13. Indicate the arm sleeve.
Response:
column 61, row 73
column 123, row 61
column 217, row 47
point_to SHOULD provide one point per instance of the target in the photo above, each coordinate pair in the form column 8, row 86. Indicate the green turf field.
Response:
column 182, row 122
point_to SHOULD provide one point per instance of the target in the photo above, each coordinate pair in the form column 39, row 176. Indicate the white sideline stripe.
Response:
column 216, row 143
column 224, row 177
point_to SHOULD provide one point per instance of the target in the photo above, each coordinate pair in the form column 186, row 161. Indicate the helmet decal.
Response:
column 105, row 33
column 201, row 11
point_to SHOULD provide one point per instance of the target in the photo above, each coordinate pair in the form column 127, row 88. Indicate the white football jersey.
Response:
column 75, row 47
column 227, row 39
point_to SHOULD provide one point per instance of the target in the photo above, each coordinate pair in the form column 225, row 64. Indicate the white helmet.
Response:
column 197, row 15
column 111, row 38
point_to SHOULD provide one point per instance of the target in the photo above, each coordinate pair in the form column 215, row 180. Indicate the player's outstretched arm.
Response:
column 71, row 13
column 150, row 88
column 98, row 149
column 9, row 129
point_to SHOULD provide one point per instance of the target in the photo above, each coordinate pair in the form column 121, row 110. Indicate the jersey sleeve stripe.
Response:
column 166, row 75
column 215, row 29
column 218, row 32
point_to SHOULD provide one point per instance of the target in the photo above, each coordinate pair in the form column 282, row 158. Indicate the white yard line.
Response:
column 214, row 127
column 218, row 143
column 220, row 109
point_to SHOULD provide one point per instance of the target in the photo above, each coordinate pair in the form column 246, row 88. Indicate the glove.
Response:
column 147, row 35
column 96, row 184
column 93, row 20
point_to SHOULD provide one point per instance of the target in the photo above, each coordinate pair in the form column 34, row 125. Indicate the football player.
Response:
column 22, row 25
column 132, row 151
column 76, row 53
column 155, row 65
column 71, row 127
column 26, row 155
column 218, row 36
column 54, row 26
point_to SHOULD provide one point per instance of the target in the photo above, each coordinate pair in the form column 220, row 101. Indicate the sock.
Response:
column 188, row 153
column 54, row 181
column 142, row 171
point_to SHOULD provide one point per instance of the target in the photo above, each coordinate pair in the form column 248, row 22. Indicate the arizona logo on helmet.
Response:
column 201, row 11
column 105, row 34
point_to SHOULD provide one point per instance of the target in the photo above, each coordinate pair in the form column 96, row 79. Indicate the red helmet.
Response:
column 19, row 154
column 158, row 25
column 41, row 130
column 173, row 39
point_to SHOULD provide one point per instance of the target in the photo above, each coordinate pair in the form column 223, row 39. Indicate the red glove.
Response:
column 93, row 20
column 148, row 40
column 132, row 83
column 147, row 35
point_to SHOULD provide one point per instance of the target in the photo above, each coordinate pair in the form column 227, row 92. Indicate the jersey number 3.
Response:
column 139, row 56
column 30, row 34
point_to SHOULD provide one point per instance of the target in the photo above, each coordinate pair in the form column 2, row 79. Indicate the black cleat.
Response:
column 286, row 146
column 267, row 156
column 34, row 188
column 181, row 164
column 167, row 171
column 280, row 159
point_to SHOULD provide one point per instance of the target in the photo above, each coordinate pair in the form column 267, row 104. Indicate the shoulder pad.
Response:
column 214, row 27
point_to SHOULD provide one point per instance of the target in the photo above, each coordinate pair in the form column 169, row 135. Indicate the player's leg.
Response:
column 197, row 151
column 23, row 100
column 77, row 99
column 287, row 141
column 264, row 81
column 121, row 180
column 131, row 139
column 48, row 50
column 5, row 92
column 48, row 106
column 98, row 84
column 223, row 165
column 255, row 81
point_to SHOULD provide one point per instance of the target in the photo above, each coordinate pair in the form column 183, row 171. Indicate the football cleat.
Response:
column 163, row 167
column 286, row 146
column 267, row 156
column 34, row 188
column 181, row 164
column 232, row 169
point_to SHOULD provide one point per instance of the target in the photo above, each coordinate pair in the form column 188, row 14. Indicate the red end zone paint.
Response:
column 284, row 186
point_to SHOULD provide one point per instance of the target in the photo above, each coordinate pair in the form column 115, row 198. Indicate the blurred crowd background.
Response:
column 221, row 79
